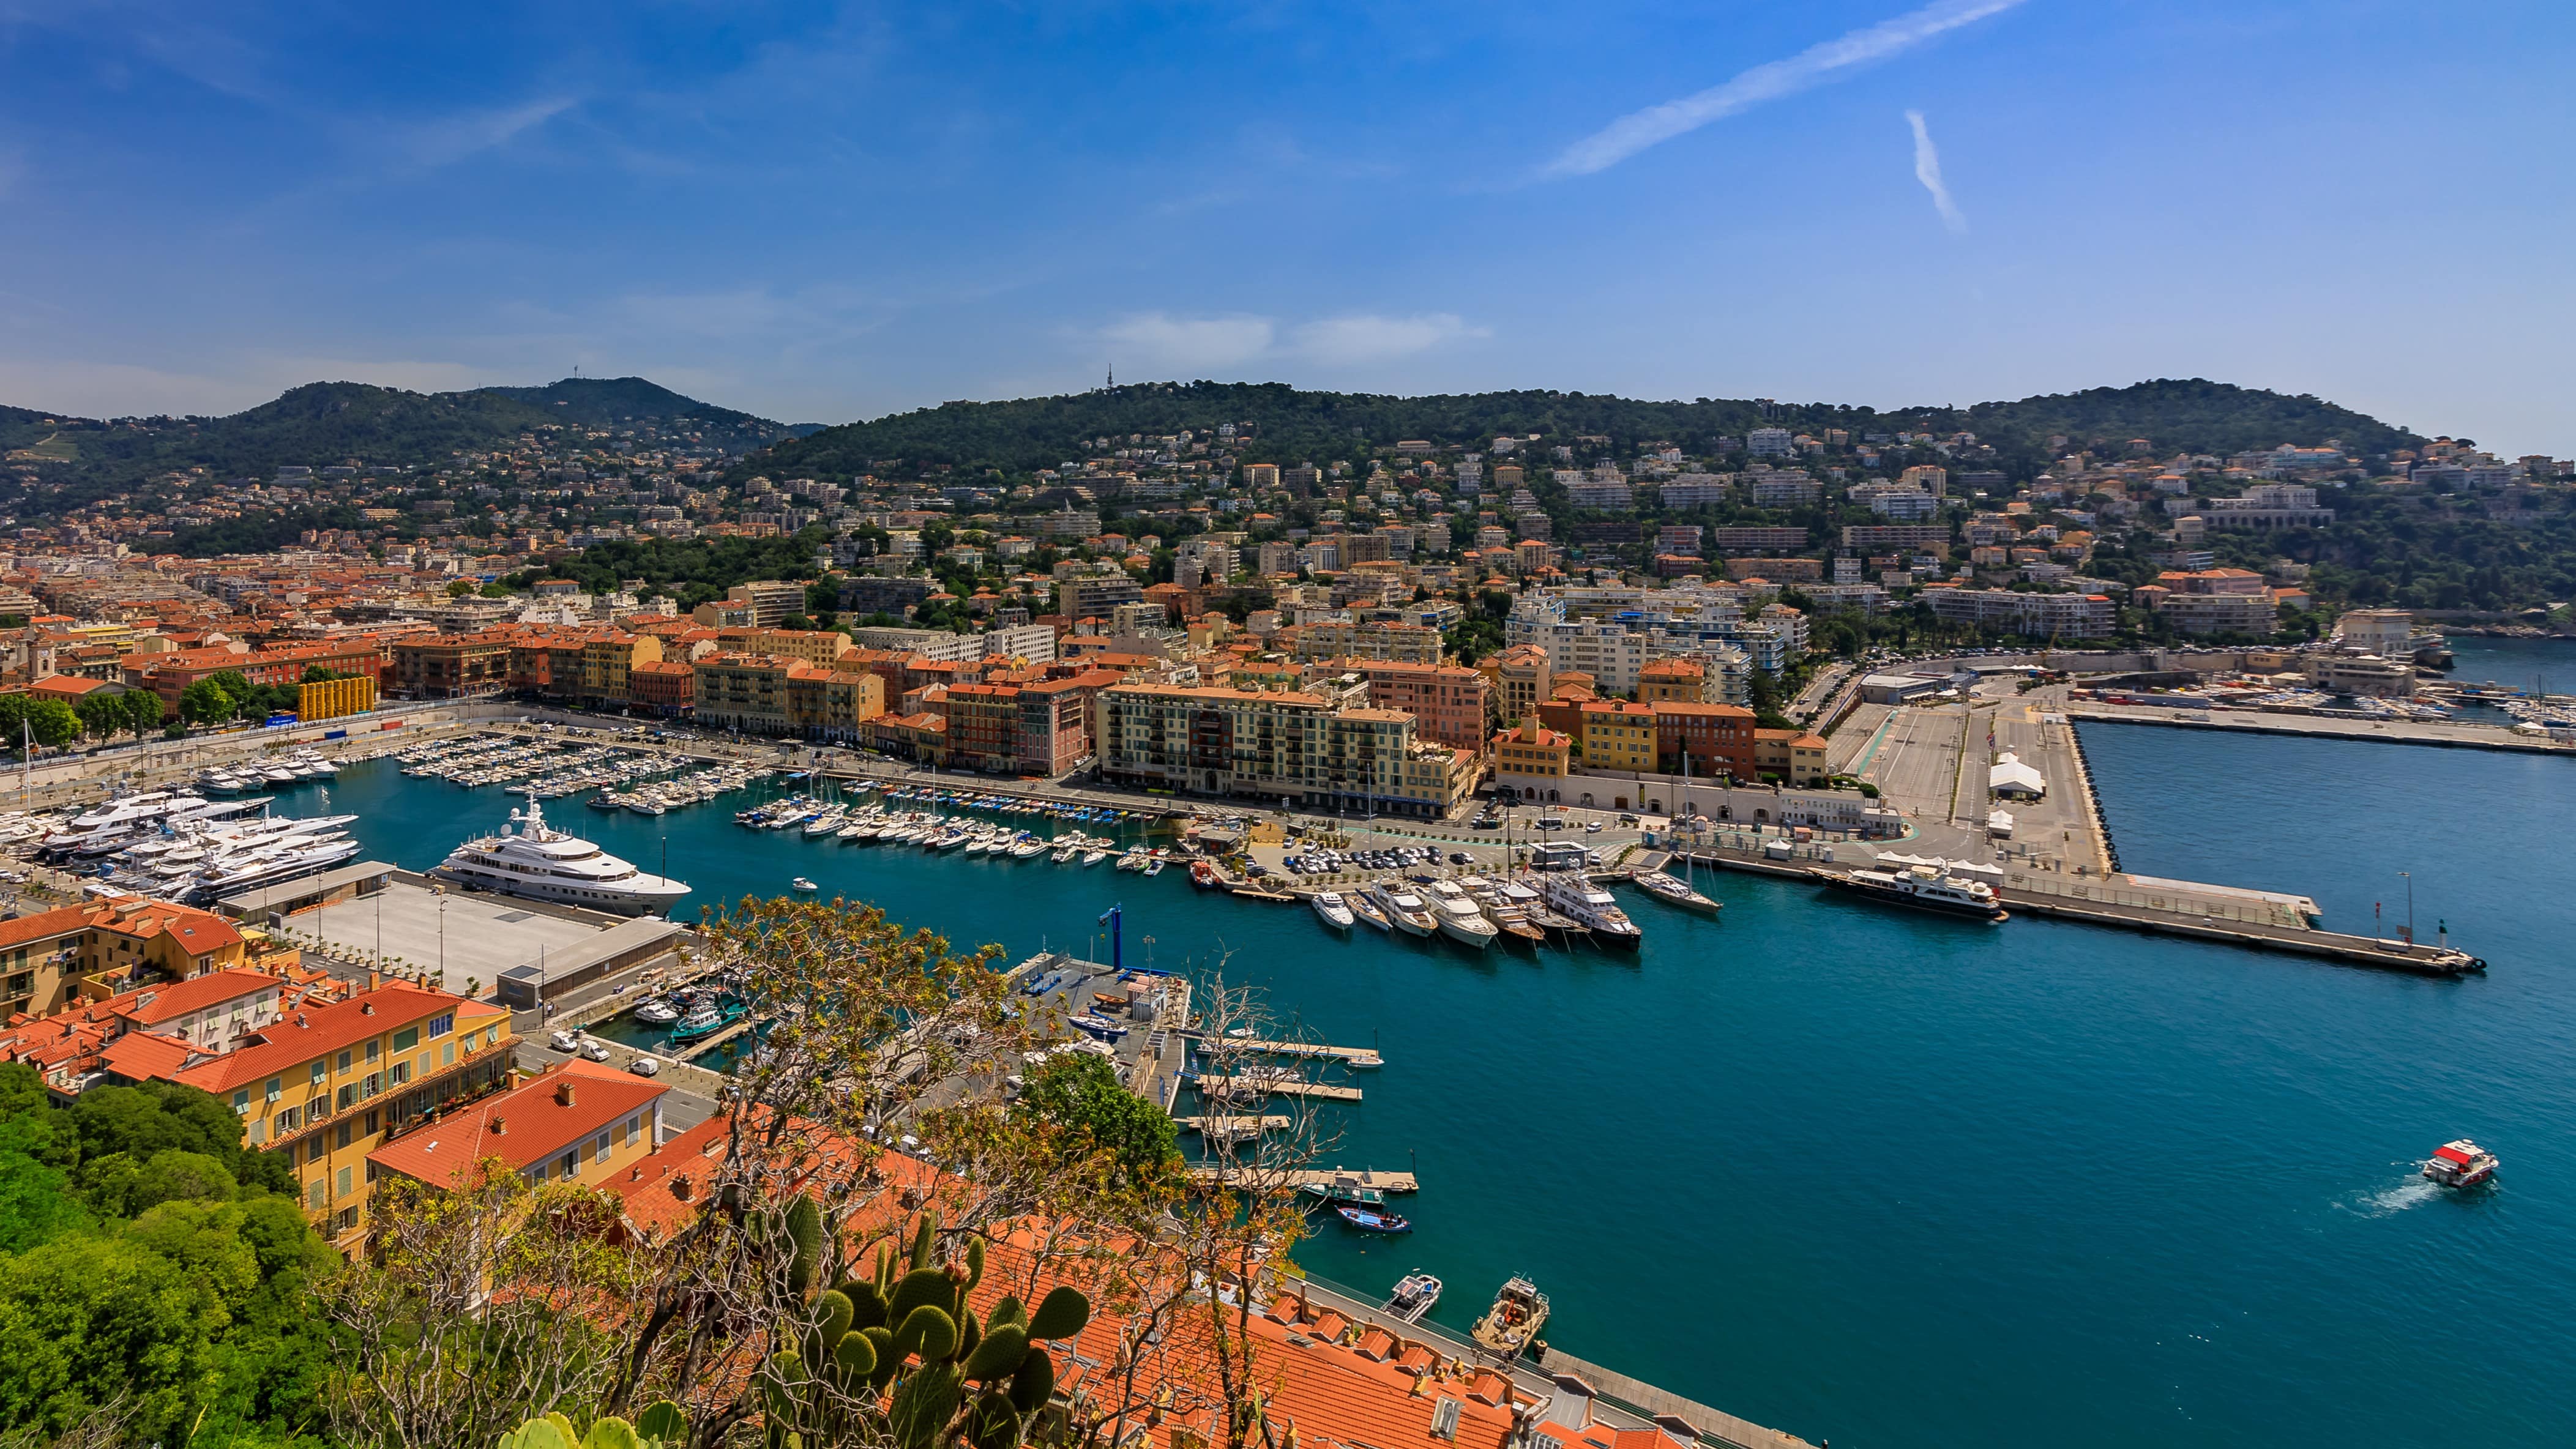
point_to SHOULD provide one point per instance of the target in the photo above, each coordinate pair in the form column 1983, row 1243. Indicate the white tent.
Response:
column 2009, row 776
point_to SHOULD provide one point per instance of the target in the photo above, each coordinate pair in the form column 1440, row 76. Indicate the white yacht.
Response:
column 528, row 859
column 1328, row 906
column 1406, row 909
column 1589, row 906
column 1459, row 918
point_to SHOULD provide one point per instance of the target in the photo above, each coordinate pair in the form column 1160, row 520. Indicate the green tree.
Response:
column 142, row 710
column 1080, row 1092
column 53, row 723
column 205, row 702
column 101, row 713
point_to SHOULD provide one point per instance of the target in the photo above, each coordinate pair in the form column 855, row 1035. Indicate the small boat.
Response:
column 1519, row 1312
column 1344, row 1189
column 1154, row 865
column 1204, row 876
column 657, row 1012
column 1673, row 891
column 1329, row 909
column 1374, row 1219
column 802, row 886
column 1094, row 857
column 1413, row 1296
column 2460, row 1164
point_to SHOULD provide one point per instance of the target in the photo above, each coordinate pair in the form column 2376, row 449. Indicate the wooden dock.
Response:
column 1313, row 1051
column 697, row 1049
column 1232, row 1125
column 1355, row 1177
column 1282, row 1086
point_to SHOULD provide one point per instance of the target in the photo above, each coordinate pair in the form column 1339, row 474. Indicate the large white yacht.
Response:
column 1573, row 893
column 528, row 859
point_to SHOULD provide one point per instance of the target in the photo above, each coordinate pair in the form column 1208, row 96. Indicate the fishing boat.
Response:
column 1673, row 891
column 1344, row 1188
column 1203, row 875
column 657, row 1012
column 705, row 1021
column 1374, row 1219
column 2460, row 1164
column 1330, row 910
column 1414, row 1294
column 1923, row 888
column 1519, row 1312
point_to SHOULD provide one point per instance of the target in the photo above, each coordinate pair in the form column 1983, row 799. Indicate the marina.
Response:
column 1911, row 1000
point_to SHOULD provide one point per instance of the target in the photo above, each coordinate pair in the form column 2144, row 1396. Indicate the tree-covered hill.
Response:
column 1293, row 425
column 324, row 423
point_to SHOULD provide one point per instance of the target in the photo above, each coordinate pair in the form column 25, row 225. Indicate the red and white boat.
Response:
column 2460, row 1164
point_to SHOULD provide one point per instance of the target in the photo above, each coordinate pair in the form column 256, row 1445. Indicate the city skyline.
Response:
column 822, row 215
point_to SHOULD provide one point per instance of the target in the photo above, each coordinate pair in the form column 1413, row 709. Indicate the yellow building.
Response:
column 1794, row 756
column 325, row 1082
column 332, row 698
column 1617, row 735
column 1533, row 760
column 55, row 959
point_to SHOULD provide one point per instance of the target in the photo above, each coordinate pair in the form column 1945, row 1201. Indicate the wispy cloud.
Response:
column 1369, row 338
column 1770, row 81
column 1160, row 340
column 1927, row 169
column 456, row 137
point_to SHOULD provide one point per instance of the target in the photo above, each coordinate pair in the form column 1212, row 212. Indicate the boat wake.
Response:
column 2393, row 1200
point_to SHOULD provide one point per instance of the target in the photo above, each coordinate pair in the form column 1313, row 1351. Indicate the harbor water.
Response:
column 1897, row 1179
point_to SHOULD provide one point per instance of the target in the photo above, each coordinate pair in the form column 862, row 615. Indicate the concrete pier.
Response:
column 1276, row 1087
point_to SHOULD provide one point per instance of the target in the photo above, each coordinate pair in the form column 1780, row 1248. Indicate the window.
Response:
column 276, row 1088
column 241, row 1101
column 289, row 1120
column 442, row 1025
column 315, row 1150
column 347, row 1096
column 1444, row 1419
column 633, row 1127
column 599, row 1144
column 374, row 1049
column 570, row 1165
column 342, row 1182
column 320, row 1070
column 344, row 1061
column 341, row 1137
column 406, row 1039
column 313, row 1195
column 492, row 1034
column 373, row 1084
column 348, row 1219
column 447, row 1055
column 402, row 1073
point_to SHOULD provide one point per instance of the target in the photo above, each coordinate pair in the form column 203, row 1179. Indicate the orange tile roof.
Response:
column 316, row 1029
column 154, row 1005
column 522, row 1127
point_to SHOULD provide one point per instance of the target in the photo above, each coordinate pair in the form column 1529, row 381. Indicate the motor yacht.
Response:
column 1459, row 918
column 531, row 860
column 1924, row 888
column 1408, row 911
column 2460, row 1164
column 1591, row 907
column 1330, row 910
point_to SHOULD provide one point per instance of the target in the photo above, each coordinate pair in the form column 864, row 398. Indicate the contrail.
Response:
column 1927, row 169
column 1638, row 130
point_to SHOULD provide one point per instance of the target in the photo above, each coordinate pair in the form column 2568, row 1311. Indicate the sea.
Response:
column 1888, row 1179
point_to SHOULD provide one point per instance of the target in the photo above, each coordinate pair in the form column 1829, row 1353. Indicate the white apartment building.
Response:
column 1769, row 443
column 2075, row 616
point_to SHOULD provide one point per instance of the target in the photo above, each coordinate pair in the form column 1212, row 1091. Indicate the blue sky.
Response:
column 819, row 213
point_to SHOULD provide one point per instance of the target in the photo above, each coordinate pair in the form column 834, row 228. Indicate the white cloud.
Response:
column 456, row 137
column 1927, row 169
column 1367, row 338
column 1638, row 130
column 1159, row 339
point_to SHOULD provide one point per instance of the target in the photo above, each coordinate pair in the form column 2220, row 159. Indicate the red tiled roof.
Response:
column 521, row 1127
column 154, row 1005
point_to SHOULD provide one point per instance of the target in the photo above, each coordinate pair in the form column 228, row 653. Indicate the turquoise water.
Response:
column 2477, row 659
column 1900, row 1180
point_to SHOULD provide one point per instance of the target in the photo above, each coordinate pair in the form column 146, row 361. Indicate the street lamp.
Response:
column 2409, row 878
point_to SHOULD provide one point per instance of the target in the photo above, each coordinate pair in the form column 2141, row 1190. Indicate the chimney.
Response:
column 563, row 1094
column 681, row 1187
column 374, row 979
column 499, row 1127
column 366, row 1008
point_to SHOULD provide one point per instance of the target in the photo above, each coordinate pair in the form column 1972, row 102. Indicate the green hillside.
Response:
column 1293, row 425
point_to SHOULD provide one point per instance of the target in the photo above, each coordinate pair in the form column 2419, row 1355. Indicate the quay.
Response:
column 2440, row 735
column 697, row 1049
column 1281, row 1086
column 1352, row 1056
